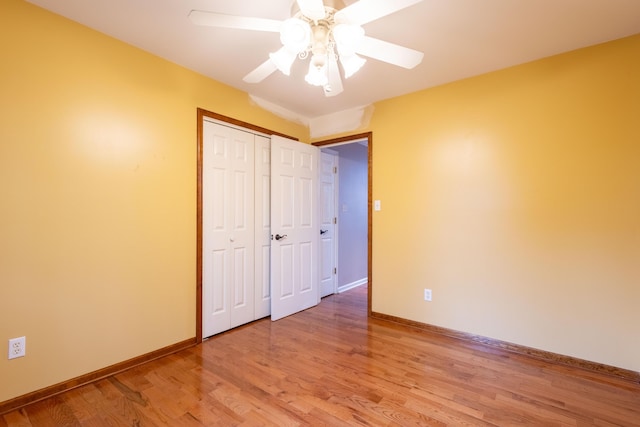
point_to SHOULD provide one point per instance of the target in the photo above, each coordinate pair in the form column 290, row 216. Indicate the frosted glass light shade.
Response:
column 317, row 76
column 348, row 38
column 295, row 35
column 351, row 64
column 312, row 9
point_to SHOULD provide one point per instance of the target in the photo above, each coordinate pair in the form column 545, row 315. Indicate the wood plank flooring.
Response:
column 331, row 365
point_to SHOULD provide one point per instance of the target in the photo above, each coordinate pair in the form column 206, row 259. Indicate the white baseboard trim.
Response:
column 352, row 285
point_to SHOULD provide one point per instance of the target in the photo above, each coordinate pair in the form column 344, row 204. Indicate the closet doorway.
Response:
column 257, row 224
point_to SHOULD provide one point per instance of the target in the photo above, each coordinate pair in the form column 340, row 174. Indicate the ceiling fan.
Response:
column 330, row 34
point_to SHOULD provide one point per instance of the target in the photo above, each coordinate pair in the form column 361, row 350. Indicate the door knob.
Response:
column 279, row 237
column 323, row 231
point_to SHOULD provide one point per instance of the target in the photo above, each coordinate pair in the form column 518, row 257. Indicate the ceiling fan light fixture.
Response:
column 351, row 64
column 327, row 30
column 295, row 35
column 283, row 60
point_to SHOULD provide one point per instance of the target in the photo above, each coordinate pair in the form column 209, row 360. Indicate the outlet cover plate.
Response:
column 17, row 347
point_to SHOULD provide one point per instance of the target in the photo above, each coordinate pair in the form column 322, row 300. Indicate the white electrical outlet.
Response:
column 17, row 347
column 427, row 294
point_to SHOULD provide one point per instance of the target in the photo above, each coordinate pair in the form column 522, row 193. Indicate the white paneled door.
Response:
column 328, row 218
column 259, row 227
column 228, row 228
column 294, row 227
column 263, row 227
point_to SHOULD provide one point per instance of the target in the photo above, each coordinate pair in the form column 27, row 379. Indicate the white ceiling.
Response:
column 460, row 38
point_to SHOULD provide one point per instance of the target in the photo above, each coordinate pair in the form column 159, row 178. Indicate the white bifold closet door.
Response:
column 263, row 227
column 243, row 266
column 229, row 222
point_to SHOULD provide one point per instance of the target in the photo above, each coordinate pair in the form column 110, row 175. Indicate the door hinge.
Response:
column 335, row 220
column 335, row 270
column 335, row 169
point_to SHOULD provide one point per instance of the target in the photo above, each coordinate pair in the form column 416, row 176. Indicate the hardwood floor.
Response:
column 331, row 365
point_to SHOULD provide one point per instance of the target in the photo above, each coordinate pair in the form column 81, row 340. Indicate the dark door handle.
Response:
column 323, row 231
column 278, row 236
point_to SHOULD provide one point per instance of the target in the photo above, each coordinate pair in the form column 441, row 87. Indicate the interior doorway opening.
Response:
column 349, row 147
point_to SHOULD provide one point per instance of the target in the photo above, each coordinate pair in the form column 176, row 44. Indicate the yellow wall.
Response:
column 515, row 196
column 98, row 196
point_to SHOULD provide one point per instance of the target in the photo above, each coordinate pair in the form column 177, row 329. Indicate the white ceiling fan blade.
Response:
column 263, row 71
column 334, row 87
column 363, row 11
column 312, row 9
column 389, row 52
column 212, row 19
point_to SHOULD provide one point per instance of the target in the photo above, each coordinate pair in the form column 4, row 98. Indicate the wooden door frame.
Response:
column 352, row 138
column 201, row 115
